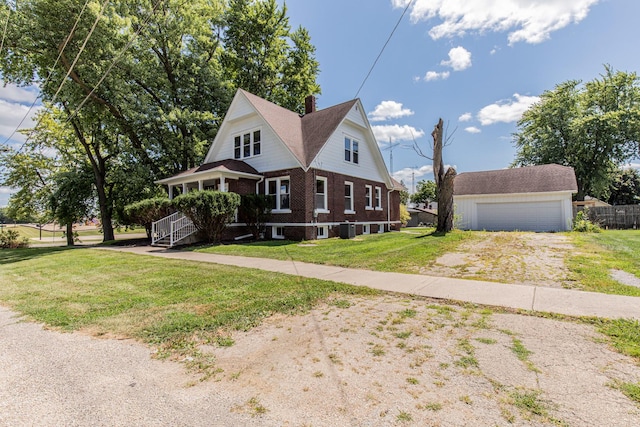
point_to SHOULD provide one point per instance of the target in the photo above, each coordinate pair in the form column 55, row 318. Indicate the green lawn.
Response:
column 34, row 233
column 598, row 253
column 174, row 304
column 405, row 251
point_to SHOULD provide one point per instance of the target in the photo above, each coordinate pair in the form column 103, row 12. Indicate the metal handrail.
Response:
column 181, row 228
column 162, row 228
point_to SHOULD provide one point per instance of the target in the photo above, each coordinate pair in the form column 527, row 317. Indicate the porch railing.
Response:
column 173, row 228
column 181, row 228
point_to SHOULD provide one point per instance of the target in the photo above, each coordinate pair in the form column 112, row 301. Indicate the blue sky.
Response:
column 477, row 64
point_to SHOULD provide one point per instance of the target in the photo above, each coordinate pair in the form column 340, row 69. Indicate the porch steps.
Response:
column 171, row 230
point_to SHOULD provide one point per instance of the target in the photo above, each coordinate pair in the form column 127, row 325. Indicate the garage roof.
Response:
column 528, row 179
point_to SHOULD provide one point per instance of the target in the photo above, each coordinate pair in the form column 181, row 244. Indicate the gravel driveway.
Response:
column 380, row 361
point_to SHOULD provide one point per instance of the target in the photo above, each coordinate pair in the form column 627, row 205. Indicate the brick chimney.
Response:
column 309, row 104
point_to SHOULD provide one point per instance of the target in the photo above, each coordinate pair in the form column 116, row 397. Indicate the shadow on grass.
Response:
column 432, row 234
column 9, row 256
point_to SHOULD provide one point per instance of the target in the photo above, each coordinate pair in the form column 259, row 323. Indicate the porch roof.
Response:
column 229, row 168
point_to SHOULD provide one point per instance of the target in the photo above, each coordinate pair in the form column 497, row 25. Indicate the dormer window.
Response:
column 247, row 144
column 350, row 150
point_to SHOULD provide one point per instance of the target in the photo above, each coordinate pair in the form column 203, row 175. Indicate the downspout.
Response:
column 389, row 209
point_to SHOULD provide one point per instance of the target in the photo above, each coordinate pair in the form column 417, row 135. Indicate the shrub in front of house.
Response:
column 146, row 211
column 255, row 211
column 210, row 211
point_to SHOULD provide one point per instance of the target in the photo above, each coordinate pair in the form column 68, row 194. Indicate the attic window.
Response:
column 247, row 144
column 351, row 150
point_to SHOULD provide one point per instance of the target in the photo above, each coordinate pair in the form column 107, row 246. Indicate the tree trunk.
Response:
column 445, row 202
column 444, row 182
column 69, row 234
column 105, row 210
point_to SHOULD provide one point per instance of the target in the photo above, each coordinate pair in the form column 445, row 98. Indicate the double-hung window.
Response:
column 378, row 199
column 321, row 195
column 247, row 144
column 280, row 190
column 351, row 150
column 368, row 197
column 348, row 198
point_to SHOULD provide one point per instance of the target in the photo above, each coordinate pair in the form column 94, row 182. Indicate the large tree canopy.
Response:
column 593, row 128
column 143, row 85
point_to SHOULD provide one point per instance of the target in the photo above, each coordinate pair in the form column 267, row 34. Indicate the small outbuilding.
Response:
column 531, row 198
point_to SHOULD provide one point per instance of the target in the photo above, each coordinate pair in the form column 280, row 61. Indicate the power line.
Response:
column 113, row 63
column 64, row 46
column 383, row 48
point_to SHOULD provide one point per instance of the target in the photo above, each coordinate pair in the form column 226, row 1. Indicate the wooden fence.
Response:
column 620, row 217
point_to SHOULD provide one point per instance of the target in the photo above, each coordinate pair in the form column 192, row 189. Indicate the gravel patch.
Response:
column 379, row 361
column 625, row 278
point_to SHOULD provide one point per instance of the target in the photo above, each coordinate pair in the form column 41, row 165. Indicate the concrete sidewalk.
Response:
column 535, row 298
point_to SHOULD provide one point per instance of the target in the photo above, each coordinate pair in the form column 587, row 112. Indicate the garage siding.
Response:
column 531, row 216
column 525, row 212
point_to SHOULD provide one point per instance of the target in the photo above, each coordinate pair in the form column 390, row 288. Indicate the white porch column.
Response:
column 200, row 185
column 184, row 188
column 170, row 192
column 222, row 186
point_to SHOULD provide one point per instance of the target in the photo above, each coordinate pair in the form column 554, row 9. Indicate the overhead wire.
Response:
column 383, row 48
column 64, row 46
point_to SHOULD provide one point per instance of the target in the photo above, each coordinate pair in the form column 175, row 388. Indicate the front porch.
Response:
column 225, row 175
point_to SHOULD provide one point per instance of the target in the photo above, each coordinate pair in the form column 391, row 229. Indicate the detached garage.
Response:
column 532, row 198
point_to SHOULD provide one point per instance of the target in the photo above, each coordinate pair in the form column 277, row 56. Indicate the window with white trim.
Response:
column 247, row 145
column 280, row 189
column 348, row 198
column 378, row 199
column 322, row 232
column 277, row 232
column 351, row 150
column 366, row 228
column 368, row 197
column 321, row 195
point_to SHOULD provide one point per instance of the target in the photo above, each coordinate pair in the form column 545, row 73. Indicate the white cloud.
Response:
column 525, row 21
column 506, row 111
column 472, row 129
column 434, row 75
column 459, row 59
column 465, row 117
column 20, row 95
column 6, row 190
column 389, row 110
column 10, row 116
column 395, row 133
column 631, row 165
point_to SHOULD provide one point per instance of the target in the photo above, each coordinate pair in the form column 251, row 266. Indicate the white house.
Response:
column 532, row 198
column 323, row 168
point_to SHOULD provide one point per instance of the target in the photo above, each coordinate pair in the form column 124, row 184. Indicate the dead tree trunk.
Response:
column 444, row 182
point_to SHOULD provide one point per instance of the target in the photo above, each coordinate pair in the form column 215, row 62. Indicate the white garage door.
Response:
column 532, row 216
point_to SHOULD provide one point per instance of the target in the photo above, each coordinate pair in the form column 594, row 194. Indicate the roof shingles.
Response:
column 528, row 179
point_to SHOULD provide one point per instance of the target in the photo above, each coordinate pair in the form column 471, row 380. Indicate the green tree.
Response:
column 71, row 199
column 625, row 188
column 263, row 56
column 210, row 211
column 593, row 128
column 425, row 193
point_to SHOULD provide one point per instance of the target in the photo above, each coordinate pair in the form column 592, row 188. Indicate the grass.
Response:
column 173, row 304
column 631, row 390
column 624, row 335
column 398, row 252
column 598, row 253
column 34, row 233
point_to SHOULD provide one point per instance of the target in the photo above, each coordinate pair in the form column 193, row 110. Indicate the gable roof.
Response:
column 303, row 135
column 528, row 179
